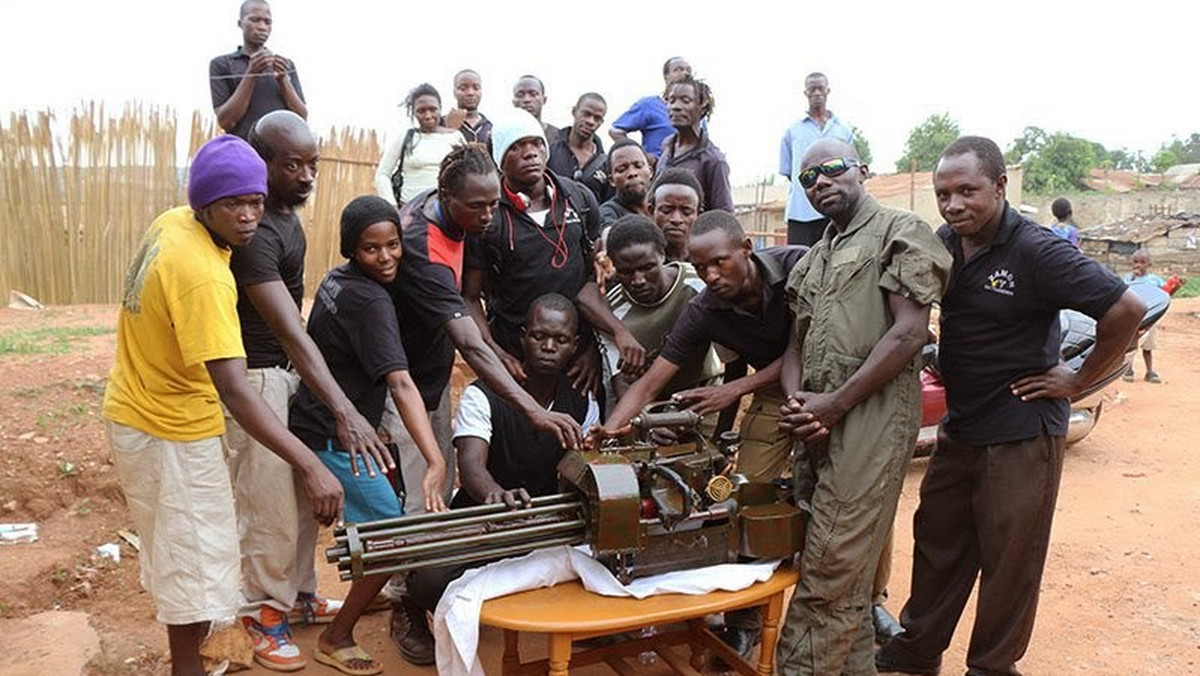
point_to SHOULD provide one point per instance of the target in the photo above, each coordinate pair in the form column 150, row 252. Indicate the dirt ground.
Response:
column 1121, row 594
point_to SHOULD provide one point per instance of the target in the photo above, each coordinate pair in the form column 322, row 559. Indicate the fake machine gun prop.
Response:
column 643, row 508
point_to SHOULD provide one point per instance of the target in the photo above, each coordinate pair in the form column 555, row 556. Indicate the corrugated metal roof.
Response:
column 1140, row 229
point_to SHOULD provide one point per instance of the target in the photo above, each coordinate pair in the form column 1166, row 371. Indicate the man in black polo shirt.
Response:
column 743, row 310
column 540, row 241
column 252, row 81
column 988, row 496
column 578, row 153
column 278, row 535
column 629, row 173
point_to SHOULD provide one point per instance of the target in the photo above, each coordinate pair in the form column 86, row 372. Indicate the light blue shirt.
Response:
column 795, row 141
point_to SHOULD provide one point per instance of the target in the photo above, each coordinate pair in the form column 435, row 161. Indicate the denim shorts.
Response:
column 367, row 498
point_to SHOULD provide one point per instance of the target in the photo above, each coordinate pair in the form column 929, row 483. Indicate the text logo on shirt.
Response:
column 1001, row 281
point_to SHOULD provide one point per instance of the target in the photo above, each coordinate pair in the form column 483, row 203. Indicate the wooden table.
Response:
column 568, row 612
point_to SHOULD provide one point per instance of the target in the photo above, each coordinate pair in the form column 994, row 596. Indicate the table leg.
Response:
column 770, row 634
column 696, row 645
column 560, row 654
column 512, row 657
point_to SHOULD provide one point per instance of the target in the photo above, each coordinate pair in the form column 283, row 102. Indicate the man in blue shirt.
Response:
column 648, row 114
column 806, row 224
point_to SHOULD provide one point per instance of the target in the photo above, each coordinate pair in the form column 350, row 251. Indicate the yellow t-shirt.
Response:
column 179, row 310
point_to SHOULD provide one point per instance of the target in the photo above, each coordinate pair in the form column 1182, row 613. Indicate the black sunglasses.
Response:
column 835, row 167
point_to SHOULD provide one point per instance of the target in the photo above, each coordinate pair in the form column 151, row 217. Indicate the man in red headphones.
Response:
column 540, row 241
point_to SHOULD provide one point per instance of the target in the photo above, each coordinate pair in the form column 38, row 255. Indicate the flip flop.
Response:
column 340, row 659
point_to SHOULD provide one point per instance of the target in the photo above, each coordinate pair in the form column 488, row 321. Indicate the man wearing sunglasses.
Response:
column 861, row 300
column 805, row 223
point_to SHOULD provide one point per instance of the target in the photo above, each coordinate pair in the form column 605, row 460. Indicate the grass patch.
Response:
column 1191, row 289
column 47, row 340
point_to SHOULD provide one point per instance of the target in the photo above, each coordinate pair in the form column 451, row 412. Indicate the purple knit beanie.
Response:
column 225, row 167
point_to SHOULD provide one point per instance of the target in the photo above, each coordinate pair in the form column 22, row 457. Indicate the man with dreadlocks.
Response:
column 427, row 291
column 689, row 104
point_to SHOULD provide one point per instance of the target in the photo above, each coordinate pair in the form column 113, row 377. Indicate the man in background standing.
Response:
column 253, row 81
column 806, row 224
column 468, row 92
column 529, row 94
column 648, row 115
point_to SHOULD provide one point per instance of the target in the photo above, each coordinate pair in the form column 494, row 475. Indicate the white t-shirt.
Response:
column 474, row 417
column 421, row 164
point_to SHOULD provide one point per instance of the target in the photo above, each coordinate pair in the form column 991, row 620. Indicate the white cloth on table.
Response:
column 456, row 620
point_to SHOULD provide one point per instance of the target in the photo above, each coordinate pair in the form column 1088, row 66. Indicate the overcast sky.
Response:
column 1123, row 76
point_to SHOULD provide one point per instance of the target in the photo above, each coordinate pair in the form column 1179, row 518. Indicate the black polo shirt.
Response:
column 707, row 163
column 428, row 293
column 758, row 338
column 593, row 174
column 999, row 320
column 275, row 253
column 481, row 133
column 227, row 70
column 523, row 258
column 353, row 324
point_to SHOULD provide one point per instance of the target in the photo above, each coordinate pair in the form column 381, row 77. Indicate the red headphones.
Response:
column 520, row 200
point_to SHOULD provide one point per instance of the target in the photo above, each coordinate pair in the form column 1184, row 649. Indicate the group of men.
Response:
column 567, row 293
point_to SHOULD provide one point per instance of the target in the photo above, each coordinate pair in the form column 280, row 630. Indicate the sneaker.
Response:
column 273, row 646
column 1128, row 376
column 1152, row 377
column 313, row 609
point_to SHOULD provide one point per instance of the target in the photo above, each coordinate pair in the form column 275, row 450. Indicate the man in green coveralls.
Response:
column 861, row 302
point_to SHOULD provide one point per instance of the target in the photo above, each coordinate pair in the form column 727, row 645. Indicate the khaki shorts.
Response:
column 181, row 502
column 1149, row 339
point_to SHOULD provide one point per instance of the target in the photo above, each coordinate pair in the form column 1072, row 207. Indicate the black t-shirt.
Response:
column 758, row 339
column 613, row 211
column 593, row 174
column 275, row 253
column 520, row 456
column 428, row 293
column 999, row 320
column 353, row 323
column 225, row 72
column 523, row 259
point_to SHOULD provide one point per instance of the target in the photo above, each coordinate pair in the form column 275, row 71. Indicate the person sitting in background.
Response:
column 1063, row 227
column 410, row 164
column 578, row 153
column 353, row 322
column 1141, row 261
column 689, row 104
column 629, row 174
column 674, row 202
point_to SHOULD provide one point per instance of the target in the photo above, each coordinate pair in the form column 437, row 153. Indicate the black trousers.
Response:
column 983, row 509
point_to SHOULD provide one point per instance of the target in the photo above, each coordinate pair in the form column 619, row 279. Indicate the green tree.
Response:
column 1054, row 162
column 1178, row 151
column 927, row 141
column 861, row 145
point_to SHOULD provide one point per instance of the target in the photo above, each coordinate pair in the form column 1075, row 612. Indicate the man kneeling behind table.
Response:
column 501, row 456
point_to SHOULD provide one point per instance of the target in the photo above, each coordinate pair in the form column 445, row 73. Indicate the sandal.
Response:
column 345, row 659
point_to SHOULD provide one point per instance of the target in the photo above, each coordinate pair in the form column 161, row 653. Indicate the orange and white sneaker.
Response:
column 313, row 609
column 273, row 646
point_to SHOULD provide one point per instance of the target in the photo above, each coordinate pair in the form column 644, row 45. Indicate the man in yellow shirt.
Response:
column 179, row 356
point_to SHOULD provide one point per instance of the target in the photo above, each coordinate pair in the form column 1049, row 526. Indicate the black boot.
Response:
column 886, row 626
column 410, row 632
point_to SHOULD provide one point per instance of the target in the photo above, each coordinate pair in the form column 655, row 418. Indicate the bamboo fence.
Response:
column 75, row 199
